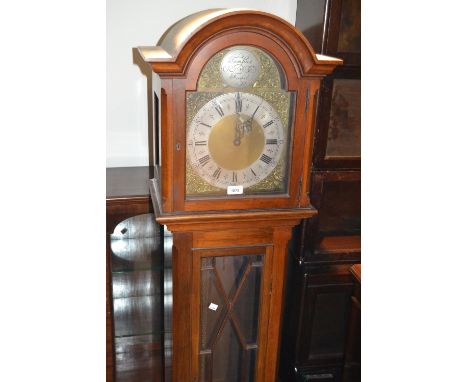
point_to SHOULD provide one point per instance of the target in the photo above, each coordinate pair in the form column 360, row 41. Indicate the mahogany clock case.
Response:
column 317, row 344
column 217, row 239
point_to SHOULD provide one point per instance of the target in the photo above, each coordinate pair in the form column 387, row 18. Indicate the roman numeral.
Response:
column 217, row 173
column 265, row 158
column 270, row 142
column 267, row 124
column 234, row 176
column 204, row 160
column 203, row 143
column 253, row 172
column 219, row 110
column 204, row 124
column 238, row 103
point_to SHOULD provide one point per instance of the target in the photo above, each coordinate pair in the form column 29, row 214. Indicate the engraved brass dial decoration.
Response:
column 235, row 139
column 239, row 68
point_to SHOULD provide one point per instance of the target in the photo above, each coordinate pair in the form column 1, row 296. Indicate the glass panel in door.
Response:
column 229, row 317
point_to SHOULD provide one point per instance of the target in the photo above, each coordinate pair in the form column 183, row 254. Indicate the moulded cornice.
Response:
column 175, row 48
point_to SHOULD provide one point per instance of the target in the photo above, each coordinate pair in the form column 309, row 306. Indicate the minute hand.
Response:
column 248, row 123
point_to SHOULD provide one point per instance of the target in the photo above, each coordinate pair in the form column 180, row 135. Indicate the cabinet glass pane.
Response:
column 246, row 309
column 136, row 316
column 135, row 263
column 227, row 356
column 133, row 284
column 309, row 20
column 327, row 335
column 349, row 40
column 229, row 315
column 251, row 360
column 340, row 209
column 209, row 317
column 344, row 130
column 231, row 270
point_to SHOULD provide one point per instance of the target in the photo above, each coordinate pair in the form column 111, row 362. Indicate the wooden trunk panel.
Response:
column 182, row 314
column 238, row 236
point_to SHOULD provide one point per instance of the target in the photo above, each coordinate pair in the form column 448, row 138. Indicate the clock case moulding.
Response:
column 178, row 60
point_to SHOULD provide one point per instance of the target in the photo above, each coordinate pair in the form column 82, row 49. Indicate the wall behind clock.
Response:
column 134, row 23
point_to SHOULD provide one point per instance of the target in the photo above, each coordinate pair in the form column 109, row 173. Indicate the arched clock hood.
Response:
column 175, row 47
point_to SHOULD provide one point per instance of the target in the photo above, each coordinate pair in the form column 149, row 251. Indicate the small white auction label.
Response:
column 213, row 307
column 235, row 190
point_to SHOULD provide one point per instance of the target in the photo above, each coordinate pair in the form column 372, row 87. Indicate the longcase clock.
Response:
column 238, row 92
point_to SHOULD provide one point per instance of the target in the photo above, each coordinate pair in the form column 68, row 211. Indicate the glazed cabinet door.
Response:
column 325, row 316
column 134, row 250
column 231, row 310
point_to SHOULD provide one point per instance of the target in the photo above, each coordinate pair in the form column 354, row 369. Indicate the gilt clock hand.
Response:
column 248, row 123
column 239, row 131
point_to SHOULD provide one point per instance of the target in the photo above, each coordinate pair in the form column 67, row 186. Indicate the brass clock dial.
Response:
column 235, row 139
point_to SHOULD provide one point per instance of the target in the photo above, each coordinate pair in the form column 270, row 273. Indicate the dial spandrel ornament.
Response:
column 239, row 68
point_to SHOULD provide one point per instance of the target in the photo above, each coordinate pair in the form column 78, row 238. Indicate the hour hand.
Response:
column 239, row 127
column 248, row 125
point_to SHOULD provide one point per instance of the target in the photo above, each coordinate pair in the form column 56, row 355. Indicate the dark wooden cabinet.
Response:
column 323, row 322
column 335, row 27
column 320, row 314
column 134, row 278
column 316, row 321
column 352, row 366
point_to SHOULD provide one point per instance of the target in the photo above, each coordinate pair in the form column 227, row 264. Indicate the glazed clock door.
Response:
column 238, row 133
column 232, row 310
